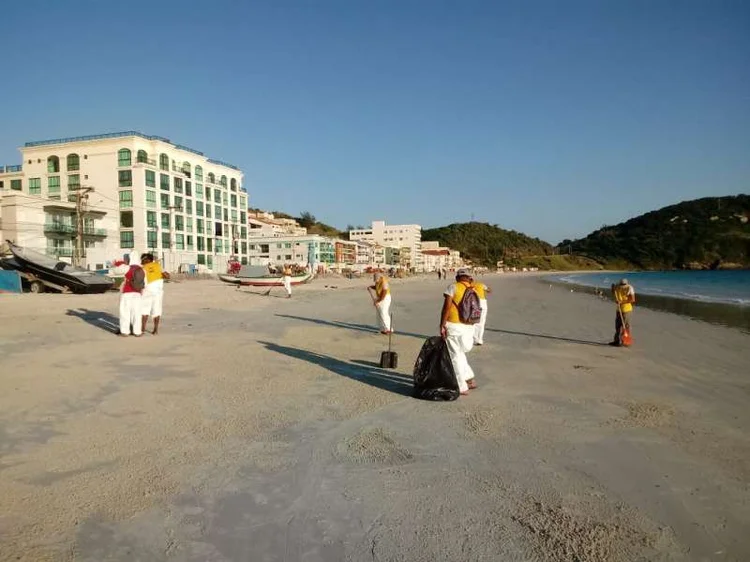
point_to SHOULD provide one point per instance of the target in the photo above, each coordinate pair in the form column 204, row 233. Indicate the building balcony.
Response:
column 146, row 161
column 57, row 228
column 60, row 252
column 10, row 169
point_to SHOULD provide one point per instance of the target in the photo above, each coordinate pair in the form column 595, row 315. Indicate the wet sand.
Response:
column 261, row 428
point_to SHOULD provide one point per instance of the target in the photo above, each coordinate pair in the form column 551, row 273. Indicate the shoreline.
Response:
column 722, row 314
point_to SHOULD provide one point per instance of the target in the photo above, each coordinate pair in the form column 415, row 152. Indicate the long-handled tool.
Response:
column 389, row 359
column 625, row 338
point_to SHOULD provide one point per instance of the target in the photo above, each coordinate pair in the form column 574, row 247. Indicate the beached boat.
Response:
column 45, row 271
column 258, row 276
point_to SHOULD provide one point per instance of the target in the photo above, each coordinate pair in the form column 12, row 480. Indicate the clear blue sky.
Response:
column 549, row 117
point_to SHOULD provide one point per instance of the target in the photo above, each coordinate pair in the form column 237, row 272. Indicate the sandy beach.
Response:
column 261, row 428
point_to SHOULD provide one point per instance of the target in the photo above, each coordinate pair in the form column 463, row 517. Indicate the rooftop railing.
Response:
column 10, row 169
column 123, row 134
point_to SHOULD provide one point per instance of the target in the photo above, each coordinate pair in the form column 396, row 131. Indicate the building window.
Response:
column 243, row 232
column 150, row 178
column 178, row 202
column 243, row 245
column 123, row 157
column 164, row 182
column 151, row 219
column 243, row 203
column 141, row 157
column 219, row 248
column 166, row 240
column 217, row 196
column 217, row 212
column 16, row 185
column 164, row 201
column 151, row 237
column 208, row 194
column 188, row 188
column 233, row 200
column 209, row 244
column 53, row 184
column 125, row 178
column 178, row 185
column 199, row 226
column 126, row 219
column 233, row 184
column 189, row 242
column 199, row 190
column 243, row 218
column 234, row 215
column 201, row 257
column 126, row 239
column 188, row 206
column 165, row 220
column 126, row 199
column 223, row 181
column 208, row 211
column 189, row 224
column 199, row 208
column 53, row 165
column 199, row 173
column 179, row 241
column 163, row 162
column 201, row 244
column 211, row 177
column 35, row 186
column 217, row 229
column 226, row 215
column 179, row 223
column 74, row 181
column 224, row 200
column 74, row 163
column 151, row 199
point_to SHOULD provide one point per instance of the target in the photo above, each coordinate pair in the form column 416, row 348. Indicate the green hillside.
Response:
column 703, row 233
column 487, row 244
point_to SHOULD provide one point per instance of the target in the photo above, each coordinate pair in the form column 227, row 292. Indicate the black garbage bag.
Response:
column 434, row 377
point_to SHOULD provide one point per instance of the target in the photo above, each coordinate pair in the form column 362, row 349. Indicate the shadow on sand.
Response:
column 350, row 326
column 546, row 337
column 365, row 373
column 102, row 320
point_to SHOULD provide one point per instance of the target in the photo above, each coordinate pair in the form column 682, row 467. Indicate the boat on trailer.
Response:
column 259, row 276
column 43, row 271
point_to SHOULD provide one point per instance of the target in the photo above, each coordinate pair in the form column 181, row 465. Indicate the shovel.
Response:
column 389, row 359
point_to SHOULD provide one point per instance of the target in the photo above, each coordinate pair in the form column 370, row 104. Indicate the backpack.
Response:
column 138, row 280
column 469, row 311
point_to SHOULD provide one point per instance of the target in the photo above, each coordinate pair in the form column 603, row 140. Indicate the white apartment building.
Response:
column 394, row 236
column 436, row 257
column 299, row 250
column 147, row 194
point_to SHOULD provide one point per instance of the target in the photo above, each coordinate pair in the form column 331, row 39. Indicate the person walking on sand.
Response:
column 624, row 296
column 458, row 336
column 130, row 297
column 153, row 294
column 382, row 301
column 482, row 291
column 286, row 279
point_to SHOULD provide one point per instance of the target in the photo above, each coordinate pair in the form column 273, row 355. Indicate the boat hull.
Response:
column 262, row 281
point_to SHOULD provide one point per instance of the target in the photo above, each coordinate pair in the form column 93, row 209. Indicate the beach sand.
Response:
column 260, row 428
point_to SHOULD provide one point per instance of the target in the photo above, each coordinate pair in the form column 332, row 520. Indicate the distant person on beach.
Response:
column 130, row 297
column 440, row 274
column 624, row 296
column 153, row 294
column 382, row 301
column 458, row 336
column 286, row 279
column 482, row 291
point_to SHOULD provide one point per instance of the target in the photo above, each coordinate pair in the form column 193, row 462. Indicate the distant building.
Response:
column 436, row 257
column 300, row 250
column 402, row 236
column 263, row 224
column 345, row 253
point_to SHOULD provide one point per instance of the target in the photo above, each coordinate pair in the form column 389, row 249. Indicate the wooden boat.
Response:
column 57, row 274
column 258, row 276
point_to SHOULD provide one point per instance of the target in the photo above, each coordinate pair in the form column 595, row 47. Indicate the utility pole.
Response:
column 82, row 195
column 172, row 230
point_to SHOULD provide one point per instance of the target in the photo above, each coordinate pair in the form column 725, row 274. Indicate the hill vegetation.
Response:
column 708, row 233
column 486, row 244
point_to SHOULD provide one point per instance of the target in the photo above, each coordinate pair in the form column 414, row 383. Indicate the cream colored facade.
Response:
column 408, row 236
column 163, row 197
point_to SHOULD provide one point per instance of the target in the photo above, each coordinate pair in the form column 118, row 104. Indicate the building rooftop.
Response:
column 123, row 134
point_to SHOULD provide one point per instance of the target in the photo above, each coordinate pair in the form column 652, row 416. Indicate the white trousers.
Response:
column 287, row 281
column 479, row 326
column 383, row 310
column 130, row 313
column 151, row 303
column 460, row 340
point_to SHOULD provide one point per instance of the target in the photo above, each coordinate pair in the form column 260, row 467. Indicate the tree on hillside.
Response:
column 306, row 219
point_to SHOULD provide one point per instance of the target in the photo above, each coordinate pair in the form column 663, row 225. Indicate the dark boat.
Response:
column 58, row 274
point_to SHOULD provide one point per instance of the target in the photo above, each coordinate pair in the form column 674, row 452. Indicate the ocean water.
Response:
column 720, row 287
